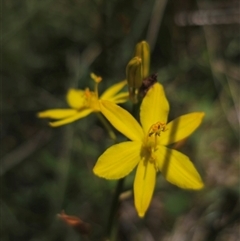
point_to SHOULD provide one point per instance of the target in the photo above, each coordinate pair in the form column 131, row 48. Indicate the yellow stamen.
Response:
column 97, row 80
column 157, row 128
column 91, row 100
column 154, row 131
column 88, row 93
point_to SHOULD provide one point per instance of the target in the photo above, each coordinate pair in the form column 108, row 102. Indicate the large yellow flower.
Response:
column 84, row 102
column 147, row 149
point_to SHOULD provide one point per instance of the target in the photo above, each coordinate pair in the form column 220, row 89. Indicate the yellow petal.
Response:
column 76, row 98
column 113, row 90
column 121, row 120
column 154, row 107
column 118, row 160
column 144, row 184
column 120, row 98
column 57, row 113
column 181, row 128
column 71, row 119
column 178, row 169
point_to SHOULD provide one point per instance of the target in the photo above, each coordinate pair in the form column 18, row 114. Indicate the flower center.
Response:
column 91, row 99
column 152, row 139
column 157, row 128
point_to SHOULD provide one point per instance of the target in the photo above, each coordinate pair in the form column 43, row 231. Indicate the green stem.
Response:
column 114, row 206
column 135, row 110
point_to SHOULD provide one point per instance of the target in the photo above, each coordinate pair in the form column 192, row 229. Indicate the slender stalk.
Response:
column 114, row 206
column 135, row 110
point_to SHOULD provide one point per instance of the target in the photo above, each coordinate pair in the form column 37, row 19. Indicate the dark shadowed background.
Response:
column 49, row 46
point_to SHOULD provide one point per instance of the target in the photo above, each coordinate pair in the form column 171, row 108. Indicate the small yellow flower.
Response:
column 84, row 102
column 147, row 147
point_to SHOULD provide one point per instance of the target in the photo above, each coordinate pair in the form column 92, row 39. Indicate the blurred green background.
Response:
column 50, row 46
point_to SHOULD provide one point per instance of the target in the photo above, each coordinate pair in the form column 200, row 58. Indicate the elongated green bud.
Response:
column 142, row 50
column 134, row 72
column 134, row 77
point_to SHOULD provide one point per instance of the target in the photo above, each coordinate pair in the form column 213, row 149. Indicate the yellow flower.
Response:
column 84, row 102
column 147, row 147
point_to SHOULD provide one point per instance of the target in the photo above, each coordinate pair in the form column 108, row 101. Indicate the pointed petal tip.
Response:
column 141, row 214
column 41, row 114
column 195, row 186
column 53, row 124
column 190, row 187
column 199, row 186
column 201, row 114
column 95, row 172
column 98, row 173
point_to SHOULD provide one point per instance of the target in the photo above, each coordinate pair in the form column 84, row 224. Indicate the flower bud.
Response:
column 134, row 77
column 142, row 50
column 134, row 72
